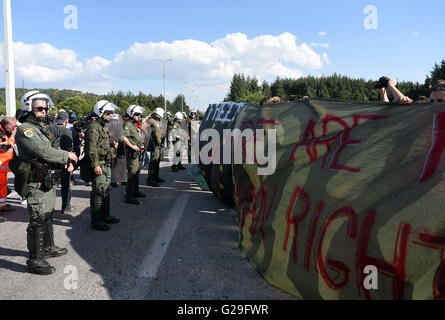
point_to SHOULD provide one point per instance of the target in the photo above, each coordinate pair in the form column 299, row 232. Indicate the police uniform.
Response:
column 100, row 153
column 169, row 130
column 177, row 146
column 37, row 147
column 155, row 149
column 133, row 160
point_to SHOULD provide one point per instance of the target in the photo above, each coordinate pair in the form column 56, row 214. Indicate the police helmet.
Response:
column 31, row 96
column 102, row 106
column 135, row 110
column 158, row 113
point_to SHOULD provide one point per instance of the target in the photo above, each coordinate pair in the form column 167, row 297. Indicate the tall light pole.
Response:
column 182, row 93
column 191, row 102
column 9, row 60
column 164, row 62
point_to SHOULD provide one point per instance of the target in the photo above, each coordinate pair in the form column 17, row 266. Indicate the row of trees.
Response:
column 246, row 88
column 83, row 103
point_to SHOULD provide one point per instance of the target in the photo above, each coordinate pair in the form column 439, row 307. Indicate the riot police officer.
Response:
column 177, row 134
column 168, row 116
column 155, row 147
column 134, row 151
column 192, row 117
column 100, row 153
column 40, row 159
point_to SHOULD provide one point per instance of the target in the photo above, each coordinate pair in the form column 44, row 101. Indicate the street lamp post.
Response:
column 164, row 62
column 182, row 94
column 9, row 60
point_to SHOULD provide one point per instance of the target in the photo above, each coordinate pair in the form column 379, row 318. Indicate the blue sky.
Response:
column 273, row 38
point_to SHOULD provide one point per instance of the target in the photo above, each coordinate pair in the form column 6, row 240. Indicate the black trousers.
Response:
column 65, row 178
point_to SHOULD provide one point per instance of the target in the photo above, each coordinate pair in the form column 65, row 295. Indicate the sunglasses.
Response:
column 41, row 109
column 108, row 113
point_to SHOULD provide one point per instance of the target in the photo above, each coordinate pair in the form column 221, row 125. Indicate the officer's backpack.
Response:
column 21, row 170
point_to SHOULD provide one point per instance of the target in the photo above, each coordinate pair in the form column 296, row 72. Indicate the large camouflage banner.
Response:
column 356, row 206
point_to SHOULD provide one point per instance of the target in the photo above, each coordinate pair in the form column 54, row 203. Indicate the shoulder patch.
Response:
column 29, row 132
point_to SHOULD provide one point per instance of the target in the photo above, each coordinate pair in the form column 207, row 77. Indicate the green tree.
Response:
column 438, row 73
column 77, row 104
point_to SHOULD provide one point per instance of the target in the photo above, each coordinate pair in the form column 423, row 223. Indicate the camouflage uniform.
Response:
column 100, row 153
column 38, row 148
column 155, row 147
column 133, row 158
column 177, row 147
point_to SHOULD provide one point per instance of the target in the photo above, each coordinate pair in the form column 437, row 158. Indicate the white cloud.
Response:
column 209, row 66
column 322, row 33
column 416, row 34
column 320, row 45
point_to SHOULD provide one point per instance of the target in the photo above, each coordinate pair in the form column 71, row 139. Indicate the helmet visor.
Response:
column 43, row 97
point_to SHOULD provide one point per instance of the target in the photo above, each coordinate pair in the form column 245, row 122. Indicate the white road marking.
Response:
column 154, row 257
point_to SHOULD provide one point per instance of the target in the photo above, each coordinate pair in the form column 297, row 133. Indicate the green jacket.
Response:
column 132, row 134
column 98, row 148
column 34, row 143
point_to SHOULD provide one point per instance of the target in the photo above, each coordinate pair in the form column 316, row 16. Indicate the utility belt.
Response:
column 41, row 173
column 132, row 154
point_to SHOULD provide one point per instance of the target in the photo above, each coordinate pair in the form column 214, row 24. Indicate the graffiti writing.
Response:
column 223, row 112
column 311, row 141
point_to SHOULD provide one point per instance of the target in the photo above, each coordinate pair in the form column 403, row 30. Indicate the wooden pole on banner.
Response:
column 9, row 60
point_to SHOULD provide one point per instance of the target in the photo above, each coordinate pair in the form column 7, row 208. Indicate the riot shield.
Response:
column 146, row 134
column 164, row 124
column 116, row 134
column 116, row 128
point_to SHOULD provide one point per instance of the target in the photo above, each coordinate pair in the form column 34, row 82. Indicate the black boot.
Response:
column 156, row 177
column 151, row 180
column 131, row 200
column 108, row 217
column 181, row 167
column 36, row 262
column 97, row 217
column 50, row 250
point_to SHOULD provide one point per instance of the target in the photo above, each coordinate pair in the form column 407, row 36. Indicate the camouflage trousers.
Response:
column 40, row 203
column 100, row 195
column 155, row 161
column 40, row 234
column 133, row 168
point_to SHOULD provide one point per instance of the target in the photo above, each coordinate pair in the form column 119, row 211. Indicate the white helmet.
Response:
column 167, row 114
column 104, row 105
column 134, row 109
column 193, row 111
column 159, row 113
column 29, row 97
column 179, row 116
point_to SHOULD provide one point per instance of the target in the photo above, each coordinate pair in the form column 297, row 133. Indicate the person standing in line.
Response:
column 134, row 150
column 100, row 153
column 155, row 148
column 40, row 161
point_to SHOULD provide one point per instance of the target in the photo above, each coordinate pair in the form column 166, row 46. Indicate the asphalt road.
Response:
column 181, row 243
